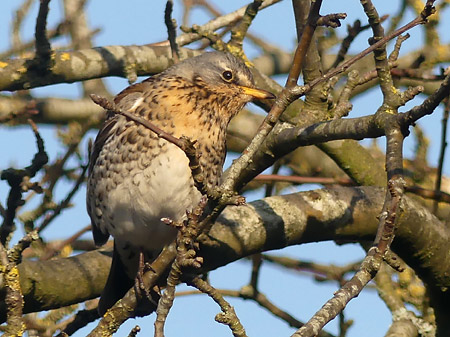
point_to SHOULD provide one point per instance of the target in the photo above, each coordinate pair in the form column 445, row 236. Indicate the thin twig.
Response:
column 65, row 203
column 303, row 44
column 220, row 22
column 440, row 167
column 335, row 305
column 15, row 177
column 50, row 252
column 19, row 17
column 42, row 60
column 15, row 253
column 429, row 104
column 228, row 315
column 239, row 32
column 437, row 195
column 380, row 54
column 396, row 183
column 80, row 320
column 352, row 33
column 60, row 30
column 171, row 25
column 304, row 180
column 186, row 259
column 321, row 272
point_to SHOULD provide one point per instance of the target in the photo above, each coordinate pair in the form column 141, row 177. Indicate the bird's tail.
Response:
column 117, row 285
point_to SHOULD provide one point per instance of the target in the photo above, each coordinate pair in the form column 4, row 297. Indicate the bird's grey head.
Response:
column 214, row 68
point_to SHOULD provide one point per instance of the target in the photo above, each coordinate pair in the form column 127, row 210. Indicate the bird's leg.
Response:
column 141, row 290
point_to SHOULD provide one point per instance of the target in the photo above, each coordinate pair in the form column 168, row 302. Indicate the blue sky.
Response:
column 141, row 22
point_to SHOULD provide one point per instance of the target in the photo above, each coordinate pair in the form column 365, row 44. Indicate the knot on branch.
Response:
column 396, row 187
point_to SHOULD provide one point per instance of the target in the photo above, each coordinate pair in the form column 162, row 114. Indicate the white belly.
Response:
column 162, row 190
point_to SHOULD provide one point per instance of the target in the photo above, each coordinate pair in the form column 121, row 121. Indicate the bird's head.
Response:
column 223, row 73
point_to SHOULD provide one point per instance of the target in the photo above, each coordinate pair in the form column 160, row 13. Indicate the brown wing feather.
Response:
column 124, row 100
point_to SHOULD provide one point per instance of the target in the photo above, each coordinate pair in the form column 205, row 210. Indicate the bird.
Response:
column 136, row 179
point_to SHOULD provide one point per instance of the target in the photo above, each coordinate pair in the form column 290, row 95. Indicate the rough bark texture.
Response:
column 341, row 213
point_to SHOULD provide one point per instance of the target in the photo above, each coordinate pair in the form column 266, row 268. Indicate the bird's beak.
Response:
column 257, row 93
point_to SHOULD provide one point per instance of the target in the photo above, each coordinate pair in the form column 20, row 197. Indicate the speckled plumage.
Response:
column 136, row 178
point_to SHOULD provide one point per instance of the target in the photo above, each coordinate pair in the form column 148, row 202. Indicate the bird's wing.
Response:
column 124, row 100
column 100, row 237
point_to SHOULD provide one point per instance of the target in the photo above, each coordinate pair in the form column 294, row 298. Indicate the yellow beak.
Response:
column 257, row 93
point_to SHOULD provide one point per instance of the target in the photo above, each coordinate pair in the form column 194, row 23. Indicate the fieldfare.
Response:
column 137, row 178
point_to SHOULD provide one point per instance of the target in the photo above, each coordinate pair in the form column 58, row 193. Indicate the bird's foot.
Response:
column 226, row 197
column 143, row 267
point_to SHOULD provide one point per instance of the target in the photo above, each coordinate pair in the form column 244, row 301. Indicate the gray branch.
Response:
column 342, row 213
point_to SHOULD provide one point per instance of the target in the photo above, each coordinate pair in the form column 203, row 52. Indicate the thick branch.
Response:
column 86, row 64
column 272, row 223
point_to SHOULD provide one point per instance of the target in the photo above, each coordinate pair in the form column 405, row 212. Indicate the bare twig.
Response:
column 81, row 319
column 352, row 33
column 437, row 186
column 166, row 301
column 186, row 259
column 331, row 20
column 247, row 293
column 418, row 74
column 51, row 251
column 304, row 180
column 429, row 104
column 239, row 31
column 394, row 168
column 42, row 60
column 220, row 22
column 437, row 195
column 228, row 315
column 335, row 305
column 322, row 272
column 15, row 253
column 15, row 178
column 171, row 25
column 21, row 12
column 64, row 203
column 60, row 30
column 303, row 44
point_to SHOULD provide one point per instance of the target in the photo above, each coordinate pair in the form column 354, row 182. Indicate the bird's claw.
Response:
column 226, row 197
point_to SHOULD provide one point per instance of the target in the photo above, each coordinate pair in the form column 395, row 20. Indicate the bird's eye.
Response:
column 227, row 75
